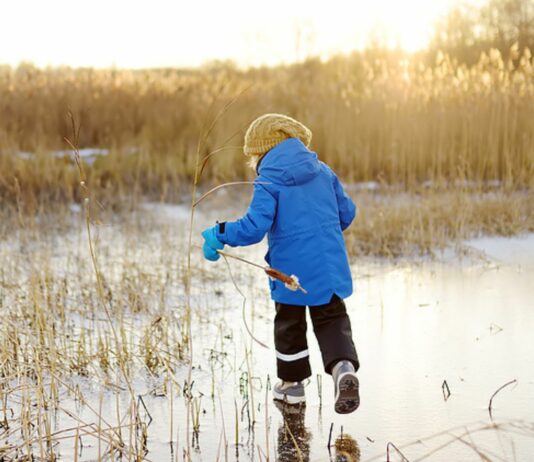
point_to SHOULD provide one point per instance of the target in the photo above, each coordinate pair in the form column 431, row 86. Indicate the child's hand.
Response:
column 211, row 244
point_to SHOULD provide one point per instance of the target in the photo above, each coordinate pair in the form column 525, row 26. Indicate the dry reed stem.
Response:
column 477, row 451
column 234, row 183
column 297, row 449
column 446, row 390
column 389, row 446
column 100, row 287
column 243, row 296
column 467, row 432
column 202, row 139
column 271, row 272
column 495, row 394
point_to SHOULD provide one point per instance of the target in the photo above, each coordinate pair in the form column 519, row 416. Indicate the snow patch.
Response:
column 75, row 208
column 517, row 250
column 24, row 155
column 363, row 186
column 89, row 155
column 179, row 212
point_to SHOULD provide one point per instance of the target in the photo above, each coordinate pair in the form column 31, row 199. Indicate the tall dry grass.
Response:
column 374, row 117
column 397, row 224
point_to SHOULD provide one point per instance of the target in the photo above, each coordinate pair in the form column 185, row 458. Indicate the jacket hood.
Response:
column 289, row 163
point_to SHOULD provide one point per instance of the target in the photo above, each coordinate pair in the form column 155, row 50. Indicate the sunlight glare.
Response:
column 141, row 33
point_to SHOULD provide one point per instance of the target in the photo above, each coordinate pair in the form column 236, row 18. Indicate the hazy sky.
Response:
column 149, row 33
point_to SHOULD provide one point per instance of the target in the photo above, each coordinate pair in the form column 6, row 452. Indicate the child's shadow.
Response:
column 294, row 438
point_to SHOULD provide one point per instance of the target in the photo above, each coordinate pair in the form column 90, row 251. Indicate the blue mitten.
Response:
column 211, row 244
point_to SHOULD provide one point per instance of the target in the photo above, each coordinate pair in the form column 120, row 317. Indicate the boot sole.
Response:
column 348, row 393
column 288, row 399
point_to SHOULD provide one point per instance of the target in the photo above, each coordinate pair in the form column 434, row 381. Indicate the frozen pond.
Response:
column 422, row 329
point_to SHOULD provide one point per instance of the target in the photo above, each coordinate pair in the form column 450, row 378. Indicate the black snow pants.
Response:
column 331, row 325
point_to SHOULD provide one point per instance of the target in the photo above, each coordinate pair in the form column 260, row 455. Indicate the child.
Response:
column 300, row 204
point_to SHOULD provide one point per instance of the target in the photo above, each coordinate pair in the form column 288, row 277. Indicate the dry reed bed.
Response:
column 397, row 224
column 53, row 330
column 56, row 345
column 390, row 223
column 381, row 117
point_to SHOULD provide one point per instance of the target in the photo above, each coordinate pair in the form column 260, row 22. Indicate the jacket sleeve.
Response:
column 253, row 226
column 347, row 208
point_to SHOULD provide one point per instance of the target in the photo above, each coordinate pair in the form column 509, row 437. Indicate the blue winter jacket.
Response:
column 300, row 203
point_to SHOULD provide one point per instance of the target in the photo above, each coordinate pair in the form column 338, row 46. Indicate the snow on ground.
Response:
column 172, row 212
column 363, row 186
column 89, row 155
column 517, row 250
column 24, row 155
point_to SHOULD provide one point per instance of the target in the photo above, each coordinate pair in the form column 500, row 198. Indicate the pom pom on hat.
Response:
column 268, row 130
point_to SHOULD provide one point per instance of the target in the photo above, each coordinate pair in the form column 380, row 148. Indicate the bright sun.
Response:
column 148, row 33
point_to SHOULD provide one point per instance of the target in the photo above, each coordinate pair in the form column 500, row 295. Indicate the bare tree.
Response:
column 506, row 22
column 468, row 30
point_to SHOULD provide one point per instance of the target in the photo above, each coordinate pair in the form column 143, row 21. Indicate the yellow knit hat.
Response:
column 270, row 129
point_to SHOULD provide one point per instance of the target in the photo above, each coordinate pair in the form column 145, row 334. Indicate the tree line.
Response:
column 469, row 30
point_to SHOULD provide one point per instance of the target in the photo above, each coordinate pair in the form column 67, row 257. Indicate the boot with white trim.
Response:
column 289, row 392
column 347, row 387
